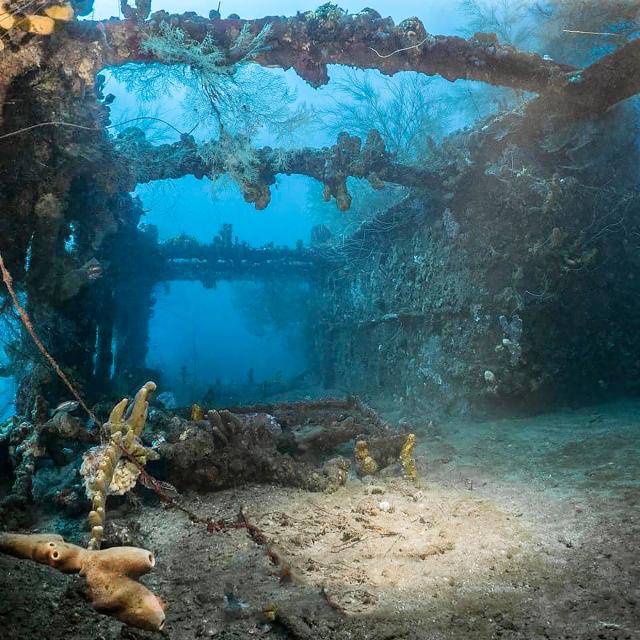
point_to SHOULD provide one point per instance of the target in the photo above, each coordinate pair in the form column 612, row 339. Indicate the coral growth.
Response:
column 227, row 449
column 28, row 442
column 447, row 320
column 290, row 444
column 42, row 25
column 254, row 170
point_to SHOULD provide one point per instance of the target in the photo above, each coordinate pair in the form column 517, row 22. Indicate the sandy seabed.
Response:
column 516, row 529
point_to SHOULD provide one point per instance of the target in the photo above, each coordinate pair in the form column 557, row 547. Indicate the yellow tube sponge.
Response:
column 7, row 19
column 60, row 12
column 103, row 468
column 111, row 575
column 197, row 413
column 41, row 25
column 407, row 460
column 365, row 464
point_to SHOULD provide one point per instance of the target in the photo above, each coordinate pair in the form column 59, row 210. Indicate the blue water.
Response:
column 210, row 340
column 7, row 392
column 199, row 207
column 205, row 328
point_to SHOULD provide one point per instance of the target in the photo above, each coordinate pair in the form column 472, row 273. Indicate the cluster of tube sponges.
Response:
column 42, row 23
column 366, row 464
column 111, row 574
column 113, row 468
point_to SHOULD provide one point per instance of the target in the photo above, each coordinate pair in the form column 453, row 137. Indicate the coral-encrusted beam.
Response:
column 593, row 90
column 310, row 41
column 331, row 166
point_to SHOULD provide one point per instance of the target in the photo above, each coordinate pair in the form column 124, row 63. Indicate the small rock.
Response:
column 386, row 507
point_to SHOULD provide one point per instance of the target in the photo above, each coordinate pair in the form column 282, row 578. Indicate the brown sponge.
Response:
column 111, row 575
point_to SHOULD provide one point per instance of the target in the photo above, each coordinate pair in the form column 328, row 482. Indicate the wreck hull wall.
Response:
column 516, row 290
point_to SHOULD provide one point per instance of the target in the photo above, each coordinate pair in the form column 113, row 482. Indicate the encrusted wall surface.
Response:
column 515, row 289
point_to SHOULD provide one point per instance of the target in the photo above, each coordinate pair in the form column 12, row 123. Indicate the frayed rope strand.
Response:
column 393, row 53
column 73, row 125
column 26, row 321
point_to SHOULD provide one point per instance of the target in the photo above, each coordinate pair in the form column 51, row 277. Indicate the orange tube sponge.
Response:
column 111, row 575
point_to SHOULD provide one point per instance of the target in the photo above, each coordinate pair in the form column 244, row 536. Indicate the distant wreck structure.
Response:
column 506, row 279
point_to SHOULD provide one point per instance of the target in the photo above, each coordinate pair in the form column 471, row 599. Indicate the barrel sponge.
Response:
column 111, row 575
